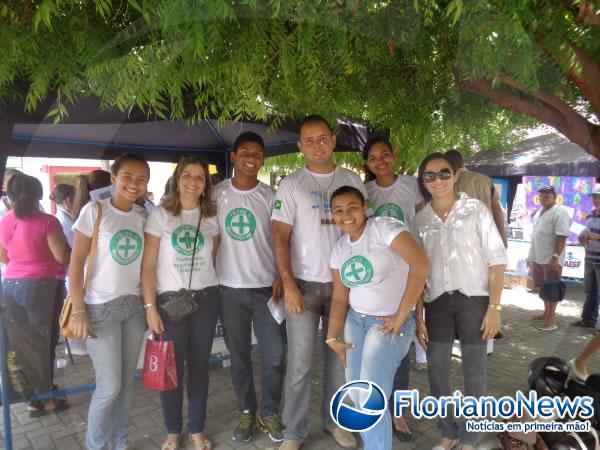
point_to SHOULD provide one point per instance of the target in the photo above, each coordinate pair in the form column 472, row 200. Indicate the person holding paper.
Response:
column 247, row 279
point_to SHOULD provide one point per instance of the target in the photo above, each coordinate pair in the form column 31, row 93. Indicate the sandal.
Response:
column 204, row 444
column 171, row 445
column 546, row 327
column 60, row 404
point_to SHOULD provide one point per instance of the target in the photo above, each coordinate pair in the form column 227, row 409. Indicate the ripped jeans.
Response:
column 376, row 358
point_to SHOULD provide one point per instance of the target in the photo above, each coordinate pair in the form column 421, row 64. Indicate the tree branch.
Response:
column 588, row 81
column 574, row 126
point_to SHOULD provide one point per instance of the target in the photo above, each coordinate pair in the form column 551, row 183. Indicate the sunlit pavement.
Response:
column 508, row 365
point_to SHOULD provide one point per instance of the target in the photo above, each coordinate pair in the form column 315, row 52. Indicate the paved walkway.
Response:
column 508, row 367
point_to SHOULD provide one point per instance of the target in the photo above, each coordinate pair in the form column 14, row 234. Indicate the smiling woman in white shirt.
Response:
column 379, row 270
column 463, row 288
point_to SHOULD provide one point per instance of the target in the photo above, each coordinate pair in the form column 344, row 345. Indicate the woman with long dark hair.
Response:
column 33, row 246
column 87, row 183
column 110, row 314
column 397, row 196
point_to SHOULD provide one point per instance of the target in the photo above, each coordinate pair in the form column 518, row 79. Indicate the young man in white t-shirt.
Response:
column 303, row 235
column 247, row 279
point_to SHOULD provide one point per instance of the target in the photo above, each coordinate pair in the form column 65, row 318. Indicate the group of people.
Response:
column 372, row 264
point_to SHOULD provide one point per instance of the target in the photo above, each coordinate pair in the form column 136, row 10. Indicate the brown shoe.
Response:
column 342, row 437
column 288, row 444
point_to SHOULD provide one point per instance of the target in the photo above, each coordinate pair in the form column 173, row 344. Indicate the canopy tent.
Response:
column 547, row 155
column 89, row 131
column 551, row 154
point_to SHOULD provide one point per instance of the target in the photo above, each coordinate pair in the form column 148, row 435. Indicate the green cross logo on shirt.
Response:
column 390, row 210
column 240, row 224
column 125, row 246
column 182, row 240
column 356, row 271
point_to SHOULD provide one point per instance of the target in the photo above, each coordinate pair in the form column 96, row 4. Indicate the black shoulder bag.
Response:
column 175, row 306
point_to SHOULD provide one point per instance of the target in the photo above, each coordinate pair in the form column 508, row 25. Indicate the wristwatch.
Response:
column 555, row 255
column 147, row 306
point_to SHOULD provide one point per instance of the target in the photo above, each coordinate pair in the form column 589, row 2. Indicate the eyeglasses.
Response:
column 430, row 177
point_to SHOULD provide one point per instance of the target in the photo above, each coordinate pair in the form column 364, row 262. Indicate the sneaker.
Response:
column 245, row 428
column 273, row 425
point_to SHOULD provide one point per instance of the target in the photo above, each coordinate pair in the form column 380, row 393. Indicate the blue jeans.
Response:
column 242, row 310
column 375, row 358
column 119, row 328
column 29, row 304
column 591, row 282
column 192, row 338
column 302, row 332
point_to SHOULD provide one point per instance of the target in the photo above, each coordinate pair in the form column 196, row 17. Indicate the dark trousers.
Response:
column 591, row 281
column 28, row 317
column 192, row 338
column 59, row 300
column 401, row 379
column 242, row 310
column 444, row 317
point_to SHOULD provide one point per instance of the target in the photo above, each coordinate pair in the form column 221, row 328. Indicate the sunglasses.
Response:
column 430, row 177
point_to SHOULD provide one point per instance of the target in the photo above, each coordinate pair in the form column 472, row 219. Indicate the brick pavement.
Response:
column 507, row 371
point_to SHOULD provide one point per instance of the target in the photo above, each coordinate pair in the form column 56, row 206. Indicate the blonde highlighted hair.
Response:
column 171, row 202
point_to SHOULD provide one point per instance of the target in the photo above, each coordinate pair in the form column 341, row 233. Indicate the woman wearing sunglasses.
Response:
column 463, row 288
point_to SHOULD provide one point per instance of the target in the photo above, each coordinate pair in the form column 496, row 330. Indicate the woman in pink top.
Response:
column 33, row 246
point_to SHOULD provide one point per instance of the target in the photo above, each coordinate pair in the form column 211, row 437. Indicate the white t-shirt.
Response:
column 245, row 257
column 174, row 261
column 554, row 222
column 303, row 201
column 117, row 263
column 398, row 200
column 375, row 274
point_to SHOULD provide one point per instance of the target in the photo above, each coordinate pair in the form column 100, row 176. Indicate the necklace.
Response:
column 328, row 188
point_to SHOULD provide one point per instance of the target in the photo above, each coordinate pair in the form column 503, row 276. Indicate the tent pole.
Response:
column 6, row 129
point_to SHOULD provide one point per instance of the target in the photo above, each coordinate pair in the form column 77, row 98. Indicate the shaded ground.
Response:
column 507, row 371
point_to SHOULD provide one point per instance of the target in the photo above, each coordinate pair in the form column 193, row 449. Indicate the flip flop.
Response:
column 205, row 444
column 546, row 328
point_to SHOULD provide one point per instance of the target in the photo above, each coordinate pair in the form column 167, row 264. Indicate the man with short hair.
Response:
column 547, row 252
column 303, row 236
column 247, row 279
column 590, row 239
column 479, row 186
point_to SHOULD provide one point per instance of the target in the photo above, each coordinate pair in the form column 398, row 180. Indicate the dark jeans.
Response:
column 401, row 379
column 444, row 317
column 192, row 338
column 28, row 316
column 59, row 300
column 242, row 310
column 591, row 281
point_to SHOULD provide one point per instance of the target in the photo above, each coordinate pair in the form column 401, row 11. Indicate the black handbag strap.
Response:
column 194, row 251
